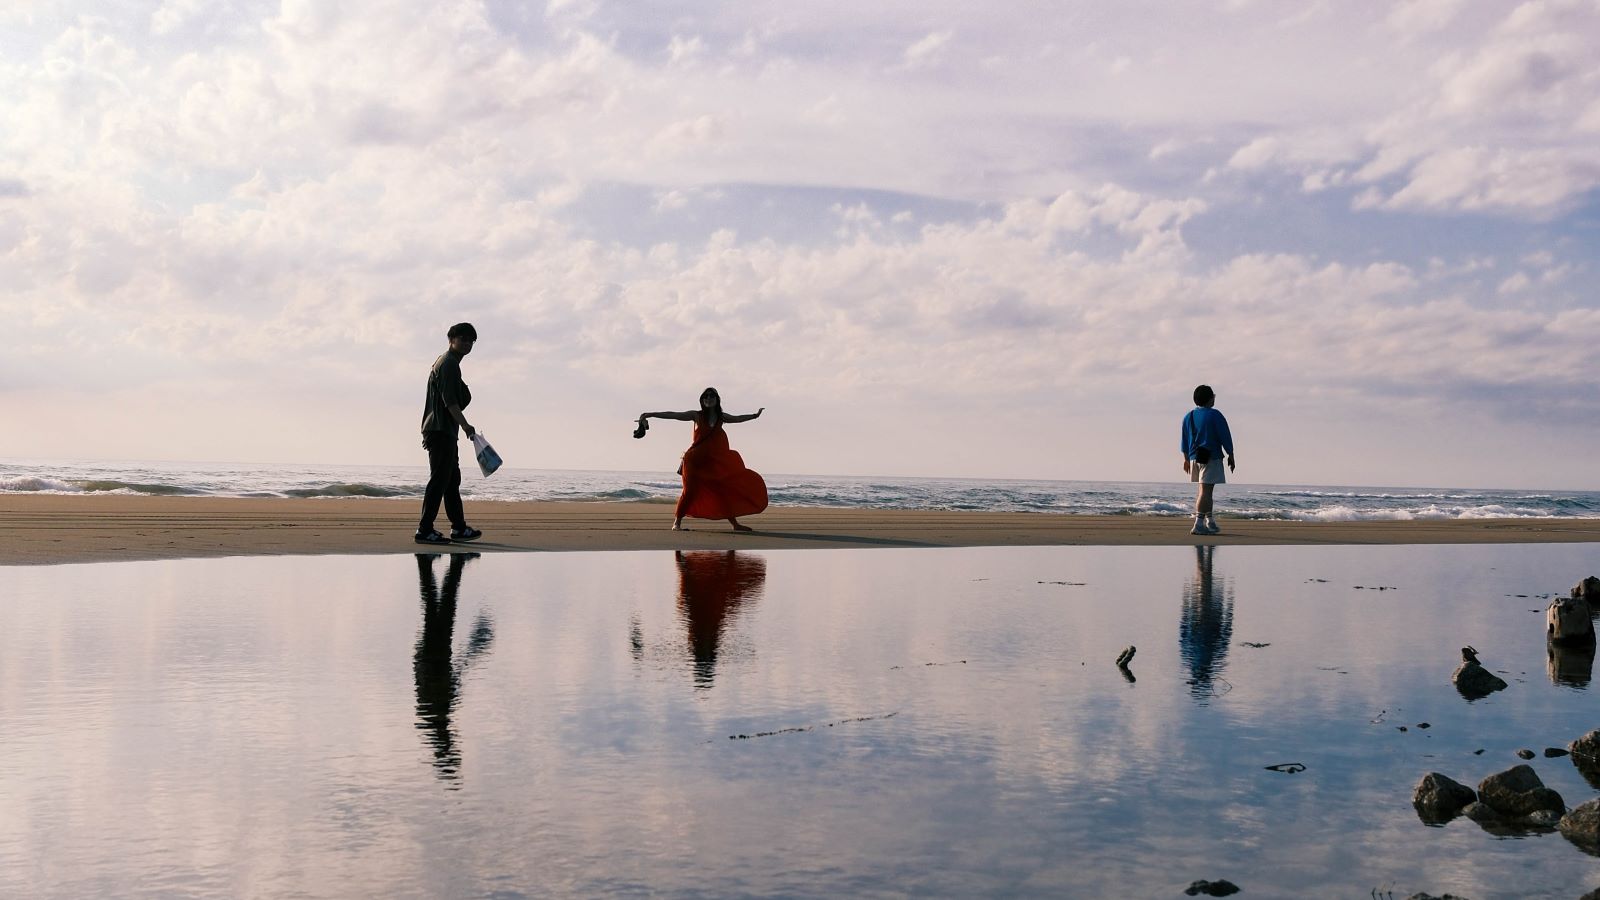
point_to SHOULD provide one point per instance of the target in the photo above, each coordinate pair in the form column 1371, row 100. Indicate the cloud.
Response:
column 926, row 51
column 317, row 187
column 1417, row 17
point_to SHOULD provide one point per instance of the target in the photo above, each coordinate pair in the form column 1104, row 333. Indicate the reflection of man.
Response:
column 712, row 585
column 1207, row 625
column 438, row 677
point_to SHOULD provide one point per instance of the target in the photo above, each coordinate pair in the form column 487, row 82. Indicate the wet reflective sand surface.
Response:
column 936, row 722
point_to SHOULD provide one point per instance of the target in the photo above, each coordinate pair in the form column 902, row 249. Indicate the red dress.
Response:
column 716, row 485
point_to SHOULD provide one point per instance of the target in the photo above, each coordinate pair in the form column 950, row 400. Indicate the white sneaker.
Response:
column 1199, row 526
column 1211, row 526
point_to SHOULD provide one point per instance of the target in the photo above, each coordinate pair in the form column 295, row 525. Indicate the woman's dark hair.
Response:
column 462, row 329
column 1203, row 395
column 716, row 405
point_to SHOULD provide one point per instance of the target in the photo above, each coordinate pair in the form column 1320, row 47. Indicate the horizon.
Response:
column 927, row 238
column 664, row 475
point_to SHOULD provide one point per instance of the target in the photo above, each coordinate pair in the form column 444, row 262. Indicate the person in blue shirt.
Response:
column 1205, row 439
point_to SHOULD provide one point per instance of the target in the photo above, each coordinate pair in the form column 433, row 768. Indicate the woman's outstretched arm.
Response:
column 685, row 416
column 728, row 417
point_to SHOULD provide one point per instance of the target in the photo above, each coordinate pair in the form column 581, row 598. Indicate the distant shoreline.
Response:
column 46, row 529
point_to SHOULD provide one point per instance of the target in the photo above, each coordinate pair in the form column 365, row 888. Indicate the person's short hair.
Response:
column 462, row 329
column 1204, row 395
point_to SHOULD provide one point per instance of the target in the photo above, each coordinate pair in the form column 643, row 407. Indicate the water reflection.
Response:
column 712, row 586
column 1571, row 665
column 1206, row 628
column 438, row 672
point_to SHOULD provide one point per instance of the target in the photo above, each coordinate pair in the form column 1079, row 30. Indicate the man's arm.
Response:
column 455, row 413
column 1227, row 439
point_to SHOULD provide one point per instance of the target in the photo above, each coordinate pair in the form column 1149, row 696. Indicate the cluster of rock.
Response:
column 1570, row 634
column 1516, row 801
column 1570, row 619
column 1570, row 645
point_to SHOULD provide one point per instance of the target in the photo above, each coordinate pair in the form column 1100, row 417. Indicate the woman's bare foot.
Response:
column 677, row 525
column 738, row 527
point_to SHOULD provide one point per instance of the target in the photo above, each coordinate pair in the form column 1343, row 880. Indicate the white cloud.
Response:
column 1517, row 283
column 1256, row 154
column 668, row 201
column 683, row 51
column 927, row 50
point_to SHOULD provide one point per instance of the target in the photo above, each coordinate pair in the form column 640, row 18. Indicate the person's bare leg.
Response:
column 677, row 524
column 1202, row 502
column 737, row 527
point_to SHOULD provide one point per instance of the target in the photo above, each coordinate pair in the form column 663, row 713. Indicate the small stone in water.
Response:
column 1219, row 888
column 1553, row 752
column 1525, row 754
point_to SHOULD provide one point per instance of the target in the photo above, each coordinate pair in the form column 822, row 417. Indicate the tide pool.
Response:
column 807, row 723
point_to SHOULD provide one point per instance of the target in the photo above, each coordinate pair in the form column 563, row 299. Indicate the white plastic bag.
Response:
column 488, row 460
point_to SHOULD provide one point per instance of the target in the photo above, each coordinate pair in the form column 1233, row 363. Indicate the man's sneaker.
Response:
column 1211, row 526
column 431, row 537
column 465, row 534
column 1199, row 526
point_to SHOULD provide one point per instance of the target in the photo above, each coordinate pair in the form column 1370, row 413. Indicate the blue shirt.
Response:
column 1205, row 427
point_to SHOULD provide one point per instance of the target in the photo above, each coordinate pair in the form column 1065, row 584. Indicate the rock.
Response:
column 1438, row 799
column 1221, row 888
column 1553, row 752
column 1419, row 895
column 1525, row 753
column 1542, row 818
column 1472, row 680
column 1592, row 895
column 1586, row 757
column 1482, row 813
column 1588, row 589
column 1581, row 825
column 1569, row 620
column 1517, row 791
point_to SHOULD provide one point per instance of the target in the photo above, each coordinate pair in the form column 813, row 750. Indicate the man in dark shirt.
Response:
column 441, row 421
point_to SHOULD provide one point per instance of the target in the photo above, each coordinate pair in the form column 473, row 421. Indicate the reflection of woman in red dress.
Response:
column 716, row 485
column 712, row 585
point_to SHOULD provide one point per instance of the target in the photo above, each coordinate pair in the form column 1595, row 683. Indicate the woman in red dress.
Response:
column 716, row 485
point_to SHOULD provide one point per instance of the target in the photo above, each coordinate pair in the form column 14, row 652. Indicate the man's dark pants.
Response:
column 444, row 481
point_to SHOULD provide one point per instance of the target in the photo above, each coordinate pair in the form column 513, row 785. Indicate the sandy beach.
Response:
column 48, row 529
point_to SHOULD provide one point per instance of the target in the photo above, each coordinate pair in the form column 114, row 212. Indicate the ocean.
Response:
column 1117, row 498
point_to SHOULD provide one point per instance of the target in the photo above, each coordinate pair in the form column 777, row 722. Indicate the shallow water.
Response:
column 936, row 722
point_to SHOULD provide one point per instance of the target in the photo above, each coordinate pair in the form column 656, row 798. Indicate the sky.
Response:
column 929, row 238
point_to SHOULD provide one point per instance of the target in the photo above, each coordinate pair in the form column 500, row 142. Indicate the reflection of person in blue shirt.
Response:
column 1206, row 628
column 1205, row 439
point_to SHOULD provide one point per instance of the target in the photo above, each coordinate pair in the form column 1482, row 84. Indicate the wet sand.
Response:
column 46, row 529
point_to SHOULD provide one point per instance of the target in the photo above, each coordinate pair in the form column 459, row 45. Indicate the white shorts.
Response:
column 1208, row 473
